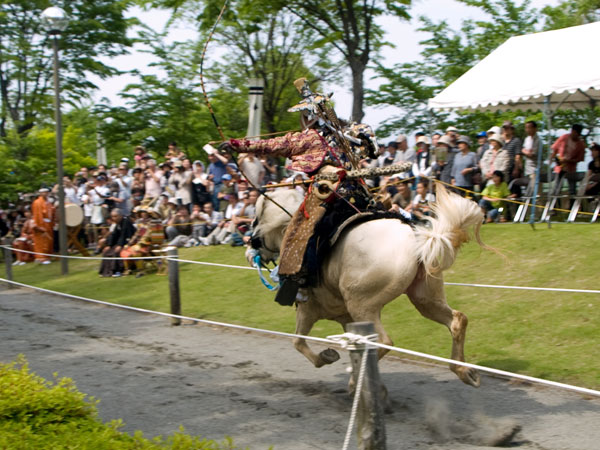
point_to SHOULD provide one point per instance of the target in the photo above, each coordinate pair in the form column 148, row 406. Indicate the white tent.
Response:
column 562, row 65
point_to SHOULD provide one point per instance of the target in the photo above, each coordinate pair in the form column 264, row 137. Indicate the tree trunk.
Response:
column 358, row 91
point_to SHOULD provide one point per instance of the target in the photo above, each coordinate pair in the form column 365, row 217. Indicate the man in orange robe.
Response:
column 42, row 226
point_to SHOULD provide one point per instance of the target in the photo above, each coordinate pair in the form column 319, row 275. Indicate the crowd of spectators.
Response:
column 141, row 203
column 499, row 166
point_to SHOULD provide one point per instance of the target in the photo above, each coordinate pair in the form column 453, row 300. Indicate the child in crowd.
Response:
column 421, row 204
column 492, row 196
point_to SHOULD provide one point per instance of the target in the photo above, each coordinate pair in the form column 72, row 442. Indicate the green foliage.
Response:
column 447, row 54
column 351, row 28
column 27, row 161
column 325, row 28
column 570, row 13
column 96, row 29
column 168, row 107
column 40, row 414
column 274, row 48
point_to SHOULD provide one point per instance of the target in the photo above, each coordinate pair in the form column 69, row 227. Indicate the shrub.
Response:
column 40, row 414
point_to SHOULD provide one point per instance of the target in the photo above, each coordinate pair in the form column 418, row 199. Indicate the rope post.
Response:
column 8, row 259
column 174, row 293
column 370, row 426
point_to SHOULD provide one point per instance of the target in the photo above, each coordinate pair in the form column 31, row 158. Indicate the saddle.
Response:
column 341, row 216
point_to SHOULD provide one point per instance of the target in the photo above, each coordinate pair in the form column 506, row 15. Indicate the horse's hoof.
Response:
column 470, row 376
column 329, row 356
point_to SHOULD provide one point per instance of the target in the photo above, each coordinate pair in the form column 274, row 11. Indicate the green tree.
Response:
column 351, row 28
column 170, row 106
column 275, row 49
column 267, row 43
column 22, row 175
column 96, row 29
column 570, row 13
column 348, row 28
column 447, row 54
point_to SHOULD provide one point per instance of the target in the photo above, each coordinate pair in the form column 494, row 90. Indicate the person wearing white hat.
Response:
column 180, row 183
column 445, row 152
column 496, row 158
column 423, row 161
column 404, row 153
column 494, row 130
column 452, row 133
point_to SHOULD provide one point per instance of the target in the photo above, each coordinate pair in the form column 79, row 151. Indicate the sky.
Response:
column 402, row 34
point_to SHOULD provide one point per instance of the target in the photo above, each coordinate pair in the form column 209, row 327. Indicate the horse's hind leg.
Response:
column 427, row 294
column 306, row 317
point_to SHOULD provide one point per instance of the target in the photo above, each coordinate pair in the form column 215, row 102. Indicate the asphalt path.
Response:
column 257, row 389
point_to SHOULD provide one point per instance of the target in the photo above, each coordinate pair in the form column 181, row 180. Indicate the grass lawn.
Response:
column 552, row 335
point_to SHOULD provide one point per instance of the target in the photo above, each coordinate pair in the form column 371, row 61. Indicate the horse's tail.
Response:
column 438, row 242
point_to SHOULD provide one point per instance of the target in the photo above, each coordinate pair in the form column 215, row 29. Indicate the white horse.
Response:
column 377, row 261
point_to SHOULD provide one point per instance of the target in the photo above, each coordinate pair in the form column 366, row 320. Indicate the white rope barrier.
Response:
column 91, row 258
column 491, row 370
column 230, row 266
column 204, row 263
column 525, row 288
column 175, row 316
column 335, row 340
column 357, row 392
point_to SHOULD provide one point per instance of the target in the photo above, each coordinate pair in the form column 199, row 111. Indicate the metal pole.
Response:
column 8, row 260
column 370, row 424
column 62, row 226
column 174, row 292
column 538, row 170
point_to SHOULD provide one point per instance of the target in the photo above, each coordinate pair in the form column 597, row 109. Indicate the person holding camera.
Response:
column 99, row 192
column 244, row 218
column 180, row 183
column 152, row 176
column 119, row 198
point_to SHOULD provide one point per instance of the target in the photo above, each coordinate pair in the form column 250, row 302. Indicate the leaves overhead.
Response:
column 448, row 53
column 96, row 29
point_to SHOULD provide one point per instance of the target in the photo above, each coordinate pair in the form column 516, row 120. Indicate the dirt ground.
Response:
column 261, row 392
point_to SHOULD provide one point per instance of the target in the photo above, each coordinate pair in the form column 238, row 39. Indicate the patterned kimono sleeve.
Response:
column 292, row 144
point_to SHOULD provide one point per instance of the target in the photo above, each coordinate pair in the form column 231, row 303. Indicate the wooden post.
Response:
column 8, row 259
column 174, row 285
column 370, row 425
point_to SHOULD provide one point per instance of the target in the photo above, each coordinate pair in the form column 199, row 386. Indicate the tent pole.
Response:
column 538, row 169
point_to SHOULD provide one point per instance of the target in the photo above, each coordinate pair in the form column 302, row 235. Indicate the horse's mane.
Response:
column 272, row 217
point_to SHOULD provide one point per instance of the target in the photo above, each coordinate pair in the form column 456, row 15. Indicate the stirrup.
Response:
column 286, row 295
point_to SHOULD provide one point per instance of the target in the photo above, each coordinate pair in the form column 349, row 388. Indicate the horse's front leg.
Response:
column 306, row 317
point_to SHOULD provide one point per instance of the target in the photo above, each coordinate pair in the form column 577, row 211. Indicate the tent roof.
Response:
column 518, row 75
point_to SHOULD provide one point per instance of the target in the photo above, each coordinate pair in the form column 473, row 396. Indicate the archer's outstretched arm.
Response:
column 291, row 144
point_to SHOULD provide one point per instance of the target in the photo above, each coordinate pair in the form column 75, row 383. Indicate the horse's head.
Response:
column 271, row 222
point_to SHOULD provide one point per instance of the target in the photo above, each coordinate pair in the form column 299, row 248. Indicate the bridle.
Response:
column 258, row 243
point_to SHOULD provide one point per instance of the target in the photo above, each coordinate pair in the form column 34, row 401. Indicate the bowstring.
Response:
column 212, row 113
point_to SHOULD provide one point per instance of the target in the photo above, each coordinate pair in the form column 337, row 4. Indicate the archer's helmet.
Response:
column 310, row 100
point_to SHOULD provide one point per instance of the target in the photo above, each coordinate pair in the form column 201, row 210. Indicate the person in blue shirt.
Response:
column 464, row 166
column 217, row 167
